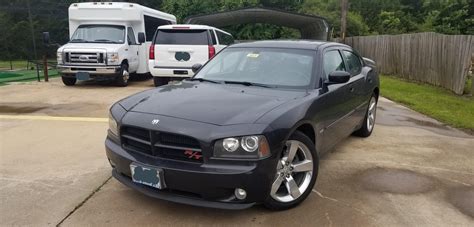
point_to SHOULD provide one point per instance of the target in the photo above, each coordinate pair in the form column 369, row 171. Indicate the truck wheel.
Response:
column 159, row 81
column 123, row 76
column 68, row 81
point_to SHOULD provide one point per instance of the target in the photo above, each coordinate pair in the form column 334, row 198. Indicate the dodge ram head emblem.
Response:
column 155, row 121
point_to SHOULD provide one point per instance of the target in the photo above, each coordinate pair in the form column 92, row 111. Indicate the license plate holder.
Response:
column 146, row 175
column 83, row 76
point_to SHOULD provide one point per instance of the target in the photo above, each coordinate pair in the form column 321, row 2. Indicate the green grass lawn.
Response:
column 17, row 64
column 439, row 103
column 23, row 75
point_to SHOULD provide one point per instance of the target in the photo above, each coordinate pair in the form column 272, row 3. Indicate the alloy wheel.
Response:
column 371, row 114
column 294, row 172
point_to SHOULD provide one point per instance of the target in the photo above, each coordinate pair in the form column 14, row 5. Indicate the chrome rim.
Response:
column 294, row 172
column 125, row 75
column 371, row 114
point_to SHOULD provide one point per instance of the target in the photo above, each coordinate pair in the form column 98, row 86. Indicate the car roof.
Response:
column 190, row 27
column 292, row 44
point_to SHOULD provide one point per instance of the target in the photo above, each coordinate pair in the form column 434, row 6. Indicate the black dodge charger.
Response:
column 249, row 127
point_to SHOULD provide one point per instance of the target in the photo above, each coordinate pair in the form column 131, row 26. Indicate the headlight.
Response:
column 113, row 59
column 245, row 147
column 59, row 57
column 113, row 125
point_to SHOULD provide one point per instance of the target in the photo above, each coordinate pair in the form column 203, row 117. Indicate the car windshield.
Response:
column 99, row 34
column 271, row 67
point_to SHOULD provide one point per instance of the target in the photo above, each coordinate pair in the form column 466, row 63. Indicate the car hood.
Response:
column 109, row 47
column 216, row 104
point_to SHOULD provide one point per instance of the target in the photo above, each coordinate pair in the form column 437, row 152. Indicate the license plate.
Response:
column 83, row 76
column 147, row 176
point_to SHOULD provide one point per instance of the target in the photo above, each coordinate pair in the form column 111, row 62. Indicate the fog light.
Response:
column 240, row 193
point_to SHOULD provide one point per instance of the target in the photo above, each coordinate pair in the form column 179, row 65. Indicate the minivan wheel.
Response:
column 68, row 81
column 123, row 76
column 369, row 121
column 159, row 81
column 296, row 173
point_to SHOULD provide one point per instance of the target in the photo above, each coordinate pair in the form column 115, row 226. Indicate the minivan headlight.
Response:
column 244, row 147
column 113, row 126
column 113, row 58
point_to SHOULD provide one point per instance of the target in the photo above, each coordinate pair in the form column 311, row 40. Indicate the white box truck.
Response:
column 108, row 41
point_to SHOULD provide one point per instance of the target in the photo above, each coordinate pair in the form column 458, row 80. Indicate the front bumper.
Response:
column 198, row 184
column 93, row 70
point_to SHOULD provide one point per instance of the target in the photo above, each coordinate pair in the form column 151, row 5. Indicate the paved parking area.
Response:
column 53, row 170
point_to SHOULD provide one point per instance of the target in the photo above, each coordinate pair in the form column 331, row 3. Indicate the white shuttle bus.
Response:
column 108, row 41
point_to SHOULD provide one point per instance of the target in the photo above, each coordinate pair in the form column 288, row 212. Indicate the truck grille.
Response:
column 84, row 58
column 161, row 144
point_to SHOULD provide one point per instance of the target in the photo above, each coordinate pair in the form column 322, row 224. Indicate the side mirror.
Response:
column 141, row 37
column 196, row 67
column 46, row 38
column 339, row 77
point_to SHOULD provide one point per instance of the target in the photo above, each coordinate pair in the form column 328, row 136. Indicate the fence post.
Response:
column 471, row 71
column 45, row 68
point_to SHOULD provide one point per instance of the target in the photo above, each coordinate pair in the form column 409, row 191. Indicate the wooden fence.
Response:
column 441, row 60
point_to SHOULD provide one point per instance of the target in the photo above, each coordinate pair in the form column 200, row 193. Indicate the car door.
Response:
column 133, row 48
column 357, row 92
column 334, row 102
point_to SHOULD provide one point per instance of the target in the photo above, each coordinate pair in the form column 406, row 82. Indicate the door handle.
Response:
column 351, row 89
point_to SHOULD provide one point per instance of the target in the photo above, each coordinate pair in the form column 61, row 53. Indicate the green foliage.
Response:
column 365, row 17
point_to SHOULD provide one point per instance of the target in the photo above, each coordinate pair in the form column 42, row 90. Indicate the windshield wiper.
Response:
column 246, row 83
column 78, row 41
column 105, row 40
column 204, row 80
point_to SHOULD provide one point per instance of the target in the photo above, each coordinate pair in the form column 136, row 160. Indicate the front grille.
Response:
column 84, row 58
column 161, row 144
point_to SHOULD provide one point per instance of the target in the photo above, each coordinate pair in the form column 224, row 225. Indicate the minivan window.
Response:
column 99, row 34
column 182, row 37
column 354, row 66
column 333, row 62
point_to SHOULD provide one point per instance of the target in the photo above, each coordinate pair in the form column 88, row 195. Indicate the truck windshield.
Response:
column 99, row 34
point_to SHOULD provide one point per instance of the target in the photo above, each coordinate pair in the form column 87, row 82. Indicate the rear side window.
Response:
column 225, row 39
column 182, row 37
column 354, row 66
column 333, row 62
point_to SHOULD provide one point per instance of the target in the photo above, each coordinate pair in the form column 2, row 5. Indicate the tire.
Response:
column 160, row 81
column 69, row 81
column 369, row 120
column 122, row 78
column 279, row 197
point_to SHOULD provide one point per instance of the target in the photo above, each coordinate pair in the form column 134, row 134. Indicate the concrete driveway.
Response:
column 53, row 170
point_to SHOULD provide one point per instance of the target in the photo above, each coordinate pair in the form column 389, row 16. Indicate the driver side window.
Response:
column 333, row 62
column 131, row 36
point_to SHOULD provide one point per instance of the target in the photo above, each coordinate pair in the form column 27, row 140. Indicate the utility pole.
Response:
column 30, row 18
column 344, row 8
